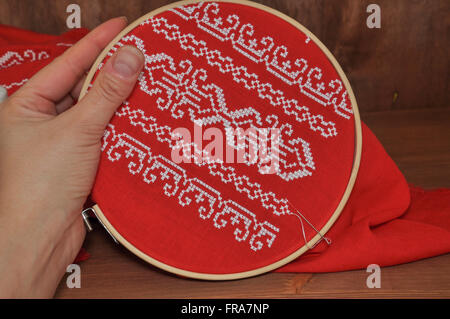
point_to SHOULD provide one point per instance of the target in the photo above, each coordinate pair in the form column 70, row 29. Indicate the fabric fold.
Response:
column 385, row 221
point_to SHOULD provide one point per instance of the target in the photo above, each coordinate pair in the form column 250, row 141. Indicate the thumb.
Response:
column 113, row 85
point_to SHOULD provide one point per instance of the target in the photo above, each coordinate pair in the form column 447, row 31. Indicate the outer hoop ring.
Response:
column 347, row 192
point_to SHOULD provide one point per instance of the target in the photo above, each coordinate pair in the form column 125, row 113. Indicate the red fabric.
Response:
column 385, row 221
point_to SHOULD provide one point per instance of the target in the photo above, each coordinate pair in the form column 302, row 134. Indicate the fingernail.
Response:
column 128, row 61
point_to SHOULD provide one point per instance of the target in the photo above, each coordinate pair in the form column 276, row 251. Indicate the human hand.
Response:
column 49, row 153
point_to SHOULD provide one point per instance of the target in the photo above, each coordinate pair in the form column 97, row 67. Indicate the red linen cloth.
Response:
column 385, row 221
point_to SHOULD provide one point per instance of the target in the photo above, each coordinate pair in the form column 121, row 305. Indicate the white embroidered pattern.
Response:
column 240, row 75
column 11, row 58
column 181, row 88
column 293, row 72
column 227, row 174
column 188, row 191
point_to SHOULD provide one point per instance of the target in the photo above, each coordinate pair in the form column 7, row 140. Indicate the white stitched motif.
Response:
column 181, row 88
column 226, row 174
column 264, row 50
column 11, row 58
column 189, row 191
column 240, row 75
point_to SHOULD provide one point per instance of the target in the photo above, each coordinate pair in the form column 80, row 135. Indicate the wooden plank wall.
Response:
column 403, row 65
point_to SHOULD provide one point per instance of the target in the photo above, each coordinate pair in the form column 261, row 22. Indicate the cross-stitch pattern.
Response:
column 177, row 183
column 12, row 58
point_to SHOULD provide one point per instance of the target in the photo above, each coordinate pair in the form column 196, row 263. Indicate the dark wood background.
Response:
column 403, row 65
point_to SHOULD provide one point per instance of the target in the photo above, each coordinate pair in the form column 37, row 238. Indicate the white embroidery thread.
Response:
column 293, row 72
column 188, row 191
column 11, row 58
column 179, row 87
column 240, row 75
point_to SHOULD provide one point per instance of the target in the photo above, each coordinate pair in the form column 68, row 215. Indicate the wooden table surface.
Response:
column 417, row 140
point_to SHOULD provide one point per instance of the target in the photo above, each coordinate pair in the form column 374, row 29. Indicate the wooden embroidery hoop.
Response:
column 337, row 212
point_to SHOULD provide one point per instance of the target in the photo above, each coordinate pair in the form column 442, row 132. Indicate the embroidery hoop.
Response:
column 348, row 189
